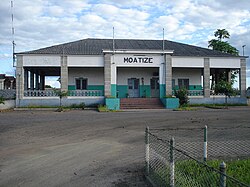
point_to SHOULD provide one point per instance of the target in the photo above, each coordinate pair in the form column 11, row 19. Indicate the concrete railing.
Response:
column 193, row 92
column 85, row 93
column 71, row 93
column 40, row 93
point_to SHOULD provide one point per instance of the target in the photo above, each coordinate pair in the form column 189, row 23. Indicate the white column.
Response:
column 19, row 79
column 206, row 77
column 64, row 74
column 168, row 74
column 162, row 80
column 1, row 84
column 107, row 75
column 243, row 77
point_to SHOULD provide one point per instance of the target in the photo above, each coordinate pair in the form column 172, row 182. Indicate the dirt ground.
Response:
column 87, row 148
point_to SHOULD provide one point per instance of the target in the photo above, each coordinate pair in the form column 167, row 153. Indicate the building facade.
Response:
column 91, row 70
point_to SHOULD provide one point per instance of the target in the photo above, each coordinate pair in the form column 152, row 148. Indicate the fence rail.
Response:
column 85, row 93
column 72, row 93
column 168, row 165
column 40, row 93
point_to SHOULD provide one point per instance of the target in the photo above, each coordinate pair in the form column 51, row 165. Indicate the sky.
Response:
column 42, row 23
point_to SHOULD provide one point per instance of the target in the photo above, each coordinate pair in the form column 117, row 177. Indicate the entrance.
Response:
column 133, row 87
column 154, row 84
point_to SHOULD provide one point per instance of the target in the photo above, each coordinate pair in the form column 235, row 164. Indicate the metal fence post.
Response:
column 147, row 149
column 172, row 162
column 223, row 175
column 205, row 144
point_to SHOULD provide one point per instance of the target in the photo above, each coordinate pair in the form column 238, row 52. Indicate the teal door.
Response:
column 154, row 85
column 133, row 87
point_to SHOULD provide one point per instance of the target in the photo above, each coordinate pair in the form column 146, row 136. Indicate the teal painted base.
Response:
column 71, row 87
column 112, row 103
column 90, row 87
column 191, row 87
column 145, row 91
column 122, row 91
column 162, row 90
column 170, row 103
column 113, row 90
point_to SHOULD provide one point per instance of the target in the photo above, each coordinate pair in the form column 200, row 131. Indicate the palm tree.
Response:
column 221, row 34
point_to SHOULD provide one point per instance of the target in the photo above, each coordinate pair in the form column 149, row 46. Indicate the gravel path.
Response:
column 87, row 148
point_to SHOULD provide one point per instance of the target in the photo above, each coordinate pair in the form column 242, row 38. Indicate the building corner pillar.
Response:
column 1, row 84
column 107, row 75
column 243, row 77
column 168, row 74
column 206, row 78
column 19, row 80
column 64, row 74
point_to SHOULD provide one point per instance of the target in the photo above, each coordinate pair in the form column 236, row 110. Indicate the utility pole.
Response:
column 243, row 49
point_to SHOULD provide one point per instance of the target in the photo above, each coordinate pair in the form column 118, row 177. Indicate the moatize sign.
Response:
column 138, row 60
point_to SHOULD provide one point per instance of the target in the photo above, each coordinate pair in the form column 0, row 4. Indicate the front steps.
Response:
column 141, row 103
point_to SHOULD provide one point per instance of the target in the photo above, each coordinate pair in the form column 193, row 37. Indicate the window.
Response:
column 183, row 83
column 81, row 84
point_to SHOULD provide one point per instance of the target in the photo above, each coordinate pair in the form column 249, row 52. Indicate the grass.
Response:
column 190, row 173
column 73, row 106
column 239, row 169
column 191, row 107
column 102, row 108
column 216, row 105
column 186, row 108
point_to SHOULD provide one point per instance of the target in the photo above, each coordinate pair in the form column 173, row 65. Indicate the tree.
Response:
column 48, row 86
column 61, row 94
column 223, row 46
column 221, row 34
column 226, row 88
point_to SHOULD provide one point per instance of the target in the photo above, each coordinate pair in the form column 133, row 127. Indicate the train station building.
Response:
column 92, row 70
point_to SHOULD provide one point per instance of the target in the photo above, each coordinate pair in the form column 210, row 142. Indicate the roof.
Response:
column 4, row 76
column 93, row 46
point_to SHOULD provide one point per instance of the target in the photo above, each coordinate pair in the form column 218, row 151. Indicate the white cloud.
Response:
column 43, row 23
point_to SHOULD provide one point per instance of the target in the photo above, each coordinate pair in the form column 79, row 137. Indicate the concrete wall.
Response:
column 86, row 61
column 198, row 62
column 8, row 104
column 55, row 101
column 124, row 73
column 218, row 100
column 194, row 75
column 41, row 60
column 95, row 75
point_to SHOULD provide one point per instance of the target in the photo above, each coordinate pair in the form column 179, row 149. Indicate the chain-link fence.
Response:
column 169, row 164
column 223, row 143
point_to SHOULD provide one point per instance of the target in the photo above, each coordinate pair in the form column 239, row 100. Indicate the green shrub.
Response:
column 182, row 94
column 2, row 100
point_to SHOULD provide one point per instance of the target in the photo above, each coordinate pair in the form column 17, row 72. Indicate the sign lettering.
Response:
column 138, row 60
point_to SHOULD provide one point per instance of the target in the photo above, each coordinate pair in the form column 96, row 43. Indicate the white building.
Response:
column 91, row 70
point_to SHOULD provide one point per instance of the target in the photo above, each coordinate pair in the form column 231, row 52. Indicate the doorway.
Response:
column 133, row 87
column 154, row 85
